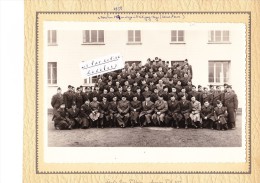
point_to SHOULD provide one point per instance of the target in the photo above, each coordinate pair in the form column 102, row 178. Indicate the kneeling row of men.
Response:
column 161, row 113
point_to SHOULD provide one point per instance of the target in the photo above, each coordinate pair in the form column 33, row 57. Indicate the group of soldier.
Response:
column 150, row 95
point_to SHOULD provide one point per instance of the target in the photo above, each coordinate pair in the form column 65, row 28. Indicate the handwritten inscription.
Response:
column 148, row 18
column 101, row 65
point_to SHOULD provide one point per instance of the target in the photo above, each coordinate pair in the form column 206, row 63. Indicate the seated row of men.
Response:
column 125, row 113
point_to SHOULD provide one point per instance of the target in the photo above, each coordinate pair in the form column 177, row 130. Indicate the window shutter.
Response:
column 180, row 36
column 226, row 36
column 93, row 36
column 173, row 36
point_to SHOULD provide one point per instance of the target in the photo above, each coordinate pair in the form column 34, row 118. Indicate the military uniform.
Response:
column 207, row 116
column 68, row 99
column 85, row 111
column 129, row 95
column 154, row 97
column 119, row 95
column 139, row 96
column 195, row 94
column 231, row 102
column 148, row 108
column 73, row 115
column 160, row 106
column 185, row 107
column 146, row 94
column 218, row 95
column 87, row 96
column 104, row 112
column 135, row 107
column 61, row 120
column 110, row 96
column 221, row 117
column 113, row 113
column 123, row 113
column 173, row 113
column 79, row 100
column 56, row 101
column 205, row 96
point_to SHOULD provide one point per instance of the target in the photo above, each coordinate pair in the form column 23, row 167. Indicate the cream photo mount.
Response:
column 152, row 168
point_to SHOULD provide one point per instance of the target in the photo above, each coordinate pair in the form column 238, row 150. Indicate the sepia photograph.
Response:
column 144, row 85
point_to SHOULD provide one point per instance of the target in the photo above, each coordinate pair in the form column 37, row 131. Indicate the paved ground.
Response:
column 144, row 137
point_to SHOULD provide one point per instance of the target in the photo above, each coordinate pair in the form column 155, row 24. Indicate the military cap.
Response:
column 58, row 88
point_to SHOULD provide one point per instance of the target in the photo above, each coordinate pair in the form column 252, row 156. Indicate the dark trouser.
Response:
column 104, row 118
column 122, row 119
column 112, row 120
column 75, row 122
column 158, row 119
column 221, row 126
column 134, row 117
column 207, row 123
column 86, row 123
column 62, row 125
column 173, row 119
column 231, row 117
column 186, row 117
column 145, row 118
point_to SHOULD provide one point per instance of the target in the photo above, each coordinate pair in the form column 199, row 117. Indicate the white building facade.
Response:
column 217, row 53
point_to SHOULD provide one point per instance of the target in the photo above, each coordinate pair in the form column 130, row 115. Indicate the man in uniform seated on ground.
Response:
column 160, row 107
column 61, row 120
column 84, row 114
column 95, row 114
column 123, row 107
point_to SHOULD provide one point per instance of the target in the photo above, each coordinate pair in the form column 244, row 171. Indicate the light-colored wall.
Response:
column 70, row 52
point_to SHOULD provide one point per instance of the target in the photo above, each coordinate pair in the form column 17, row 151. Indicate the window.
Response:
column 91, row 80
column 218, row 72
column 218, row 36
column 177, row 36
column 93, row 36
column 52, row 37
column 180, row 62
column 52, row 73
column 131, row 62
column 134, row 36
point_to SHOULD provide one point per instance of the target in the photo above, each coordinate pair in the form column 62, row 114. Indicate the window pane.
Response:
column 86, row 36
column 49, row 73
column 54, row 36
column 137, row 36
column 211, row 36
column 49, row 36
column 94, row 79
column 218, row 66
column 85, row 81
column 180, row 35
column 225, row 35
column 54, row 73
column 93, row 36
column 225, row 72
column 101, row 36
column 217, row 36
column 130, row 36
column 173, row 36
column 211, row 72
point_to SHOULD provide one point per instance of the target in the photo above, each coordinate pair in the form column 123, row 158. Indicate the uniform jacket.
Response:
column 129, row 95
column 123, row 106
column 73, row 114
column 207, row 111
column 110, row 96
column 94, row 106
column 135, row 105
column 68, row 98
column 160, row 106
column 60, row 115
column 194, row 93
column 185, row 106
column 87, row 96
column 173, row 106
column 146, row 93
column 181, row 93
column 56, row 100
column 218, row 95
column 206, row 96
column 79, row 100
column 113, row 107
column 148, row 107
column 85, row 111
column 230, row 100
column 104, row 107
column 119, row 95
column 139, row 96
column 96, row 94
column 221, row 113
